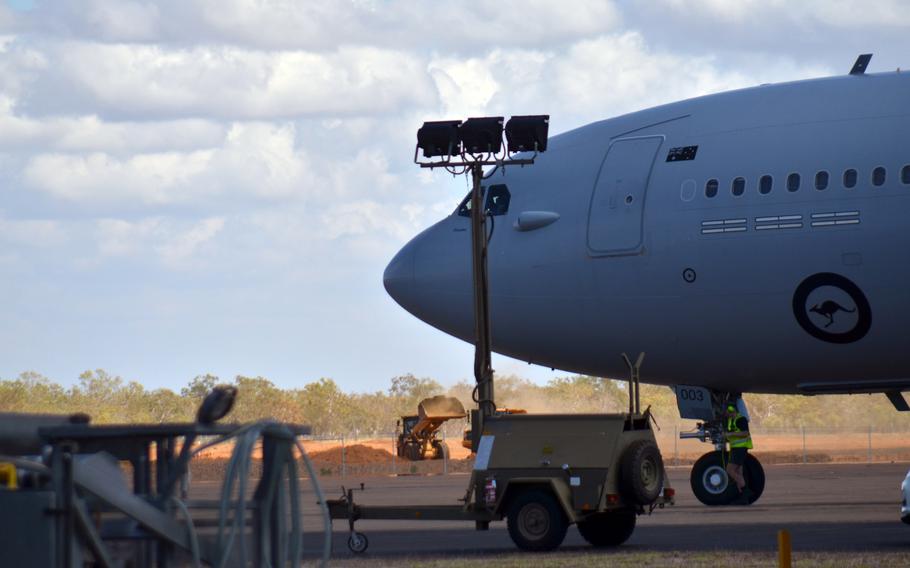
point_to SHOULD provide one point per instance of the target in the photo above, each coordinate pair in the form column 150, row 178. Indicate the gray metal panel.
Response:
column 618, row 201
column 27, row 528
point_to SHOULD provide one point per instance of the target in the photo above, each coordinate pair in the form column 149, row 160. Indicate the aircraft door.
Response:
column 617, row 203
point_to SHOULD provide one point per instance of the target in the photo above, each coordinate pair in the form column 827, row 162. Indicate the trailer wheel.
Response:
column 358, row 542
column 710, row 482
column 536, row 521
column 608, row 529
column 642, row 472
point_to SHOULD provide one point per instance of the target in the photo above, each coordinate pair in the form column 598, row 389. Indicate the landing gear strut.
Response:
column 710, row 481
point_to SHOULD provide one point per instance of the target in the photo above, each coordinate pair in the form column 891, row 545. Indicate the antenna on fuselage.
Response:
column 859, row 68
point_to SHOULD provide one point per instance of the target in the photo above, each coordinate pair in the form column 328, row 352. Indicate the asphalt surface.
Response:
column 826, row 507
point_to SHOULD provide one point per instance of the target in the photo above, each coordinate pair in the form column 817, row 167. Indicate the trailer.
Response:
column 542, row 473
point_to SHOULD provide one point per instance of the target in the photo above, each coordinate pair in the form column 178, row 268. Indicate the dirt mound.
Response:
column 357, row 453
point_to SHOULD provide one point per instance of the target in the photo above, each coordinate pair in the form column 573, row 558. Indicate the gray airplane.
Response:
column 748, row 241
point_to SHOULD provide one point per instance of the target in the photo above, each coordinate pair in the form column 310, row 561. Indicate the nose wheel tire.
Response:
column 713, row 486
column 536, row 521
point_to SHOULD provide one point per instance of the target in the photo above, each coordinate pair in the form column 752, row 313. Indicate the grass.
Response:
column 640, row 559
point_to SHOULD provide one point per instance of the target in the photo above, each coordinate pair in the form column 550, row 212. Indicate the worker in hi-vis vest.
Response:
column 736, row 427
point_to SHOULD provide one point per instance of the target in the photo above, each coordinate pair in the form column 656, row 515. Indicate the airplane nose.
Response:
column 398, row 277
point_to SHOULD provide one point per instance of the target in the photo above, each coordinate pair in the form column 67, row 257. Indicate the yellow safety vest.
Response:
column 739, row 442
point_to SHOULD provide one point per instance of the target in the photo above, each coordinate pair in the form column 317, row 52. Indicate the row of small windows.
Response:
column 822, row 179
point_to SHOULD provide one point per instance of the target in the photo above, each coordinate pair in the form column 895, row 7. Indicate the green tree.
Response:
column 199, row 387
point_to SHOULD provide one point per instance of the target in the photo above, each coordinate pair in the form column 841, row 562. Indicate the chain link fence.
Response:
column 798, row 445
column 341, row 457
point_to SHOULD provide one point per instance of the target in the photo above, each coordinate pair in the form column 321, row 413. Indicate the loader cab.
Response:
column 407, row 424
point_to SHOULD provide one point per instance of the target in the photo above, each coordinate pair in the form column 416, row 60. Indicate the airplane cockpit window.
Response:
column 905, row 175
column 497, row 201
column 850, row 178
column 793, row 182
column 821, row 180
column 464, row 210
column 765, row 184
column 711, row 188
column 878, row 176
column 739, row 186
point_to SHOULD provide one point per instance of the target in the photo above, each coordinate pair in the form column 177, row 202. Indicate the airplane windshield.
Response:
column 496, row 203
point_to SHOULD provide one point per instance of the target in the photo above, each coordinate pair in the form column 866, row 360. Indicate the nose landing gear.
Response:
column 710, row 481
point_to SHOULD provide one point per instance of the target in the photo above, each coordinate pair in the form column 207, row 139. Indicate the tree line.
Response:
column 331, row 411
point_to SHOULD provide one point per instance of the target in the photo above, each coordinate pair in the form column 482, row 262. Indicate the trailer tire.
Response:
column 358, row 542
column 536, row 521
column 642, row 472
column 608, row 529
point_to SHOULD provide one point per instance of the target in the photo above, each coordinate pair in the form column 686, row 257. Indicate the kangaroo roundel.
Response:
column 832, row 308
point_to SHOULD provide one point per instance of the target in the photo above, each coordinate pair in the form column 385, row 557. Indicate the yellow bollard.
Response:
column 9, row 478
column 783, row 549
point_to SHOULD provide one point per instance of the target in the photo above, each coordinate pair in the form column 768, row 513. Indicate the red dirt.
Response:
column 357, row 453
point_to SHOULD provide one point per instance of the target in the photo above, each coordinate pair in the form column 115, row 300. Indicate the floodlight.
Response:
column 528, row 133
column 482, row 135
column 439, row 138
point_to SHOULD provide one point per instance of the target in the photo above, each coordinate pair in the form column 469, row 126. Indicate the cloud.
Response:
column 320, row 26
column 26, row 135
column 132, row 81
column 839, row 13
column 42, row 233
column 145, row 178
column 174, row 244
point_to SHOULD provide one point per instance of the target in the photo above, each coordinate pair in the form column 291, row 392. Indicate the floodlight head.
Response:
column 482, row 135
column 439, row 138
column 528, row 133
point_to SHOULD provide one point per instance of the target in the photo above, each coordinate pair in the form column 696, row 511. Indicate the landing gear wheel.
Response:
column 358, row 542
column 642, row 472
column 712, row 485
column 608, row 529
column 710, row 482
column 536, row 521
column 755, row 477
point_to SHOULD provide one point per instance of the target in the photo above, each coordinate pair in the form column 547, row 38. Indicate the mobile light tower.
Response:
column 464, row 148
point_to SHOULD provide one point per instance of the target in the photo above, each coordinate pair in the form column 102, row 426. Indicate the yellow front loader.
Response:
column 417, row 433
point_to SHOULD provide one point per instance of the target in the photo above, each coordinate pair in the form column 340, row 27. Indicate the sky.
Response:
column 215, row 186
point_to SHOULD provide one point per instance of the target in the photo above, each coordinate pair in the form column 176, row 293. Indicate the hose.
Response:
column 191, row 528
column 326, row 519
column 238, row 469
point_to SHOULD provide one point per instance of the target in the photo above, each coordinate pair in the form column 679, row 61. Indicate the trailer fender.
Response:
column 559, row 488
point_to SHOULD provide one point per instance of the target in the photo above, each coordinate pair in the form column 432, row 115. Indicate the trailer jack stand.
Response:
column 357, row 541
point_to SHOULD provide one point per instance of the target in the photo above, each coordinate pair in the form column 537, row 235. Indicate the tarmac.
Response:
column 826, row 507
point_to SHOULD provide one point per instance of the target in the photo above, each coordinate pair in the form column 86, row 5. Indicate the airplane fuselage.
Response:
column 758, row 285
